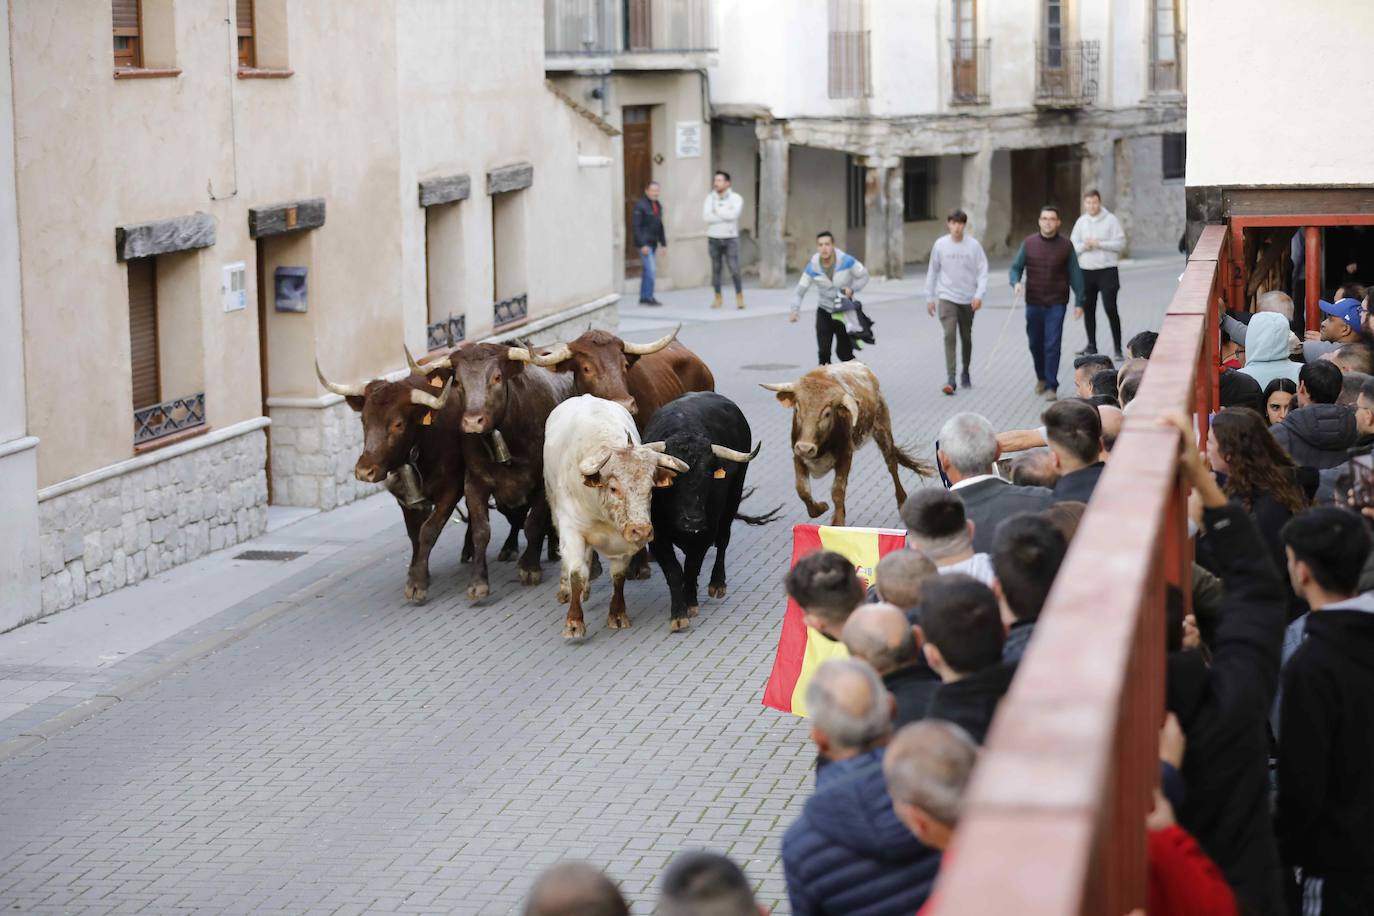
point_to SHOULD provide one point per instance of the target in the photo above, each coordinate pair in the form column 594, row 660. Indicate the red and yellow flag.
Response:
column 801, row 649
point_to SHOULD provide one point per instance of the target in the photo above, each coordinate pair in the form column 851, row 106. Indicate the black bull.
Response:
column 709, row 433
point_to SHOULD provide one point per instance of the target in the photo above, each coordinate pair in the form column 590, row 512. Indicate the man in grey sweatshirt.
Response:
column 956, row 282
column 1098, row 241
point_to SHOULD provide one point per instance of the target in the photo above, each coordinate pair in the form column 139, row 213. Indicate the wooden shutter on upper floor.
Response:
column 143, row 331
column 243, row 13
column 126, row 15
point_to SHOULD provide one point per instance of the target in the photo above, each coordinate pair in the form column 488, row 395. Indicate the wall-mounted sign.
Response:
column 289, row 289
column 234, row 287
column 689, row 139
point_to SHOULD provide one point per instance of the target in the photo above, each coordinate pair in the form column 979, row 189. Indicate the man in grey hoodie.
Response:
column 1266, row 349
column 1099, row 240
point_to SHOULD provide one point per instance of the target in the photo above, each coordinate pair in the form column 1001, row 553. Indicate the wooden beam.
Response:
column 163, row 236
column 515, row 177
column 445, row 189
column 278, row 219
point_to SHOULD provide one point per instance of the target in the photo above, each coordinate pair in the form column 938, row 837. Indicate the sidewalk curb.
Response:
column 228, row 635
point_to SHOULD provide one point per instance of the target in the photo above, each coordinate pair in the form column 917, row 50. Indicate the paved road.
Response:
column 358, row 754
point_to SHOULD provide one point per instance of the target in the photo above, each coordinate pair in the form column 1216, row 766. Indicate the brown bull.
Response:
column 639, row 377
column 505, row 404
column 836, row 410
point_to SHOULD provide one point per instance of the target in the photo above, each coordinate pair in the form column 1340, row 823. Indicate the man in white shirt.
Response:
column 956, row 280
column 1098, row 241
column 937, row 527
column 721, row 212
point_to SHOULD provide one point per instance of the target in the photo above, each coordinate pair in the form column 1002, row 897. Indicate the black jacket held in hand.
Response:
column 1318, row 435
column 1326, row 755
column 1224, row 711
column 648, row 225
column 971, row 702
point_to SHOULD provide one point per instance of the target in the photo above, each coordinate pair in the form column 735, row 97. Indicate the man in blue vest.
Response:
column 1050, row 267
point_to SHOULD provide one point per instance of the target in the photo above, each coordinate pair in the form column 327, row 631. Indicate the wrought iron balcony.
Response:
column 970, row 63
column 511, row 311
column 1066, row 74
column 1167, row 71
column 446, row 332
column 168, row 418
column 597, row 28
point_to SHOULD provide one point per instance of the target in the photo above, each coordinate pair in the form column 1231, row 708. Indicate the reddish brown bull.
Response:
column 639, row 377
column 505, row 404
column 836, row 410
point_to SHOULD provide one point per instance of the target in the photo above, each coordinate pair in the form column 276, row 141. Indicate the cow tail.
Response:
column 770, row 516
column 908, row 460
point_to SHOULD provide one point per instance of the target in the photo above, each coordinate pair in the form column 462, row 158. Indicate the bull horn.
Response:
column 417, row 369
column 779, row 386
column 675, row 464
column 645, row 349
column 594, row 464
column 433, row 402
column 526, row 355
column 729, row 454
column 348, row 391
column 656, row 446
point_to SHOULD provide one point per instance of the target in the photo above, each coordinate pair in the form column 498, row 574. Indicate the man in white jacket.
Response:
column 1098, row 241
column 957, row 279
column 721, row 212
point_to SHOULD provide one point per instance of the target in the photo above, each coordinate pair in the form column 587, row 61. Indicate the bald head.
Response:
column 881, row 635
column 1275, row 301
column 850, row 709
column 575, row 889
column 1112, row 418
column 899, row 575
column 1035, row 469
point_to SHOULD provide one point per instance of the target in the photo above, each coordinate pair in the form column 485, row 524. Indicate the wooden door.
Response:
column 965, row 49
column 264, row 294
column 637, row 134
column 638, row 28
column 143, row 332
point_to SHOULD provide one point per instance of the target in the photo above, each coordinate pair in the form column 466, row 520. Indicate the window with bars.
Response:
column 128, row 17
column 855, row 176
column 243, row 15
column 1175, row 155
column 848, row 51
column 918, row 184
column 147, row 385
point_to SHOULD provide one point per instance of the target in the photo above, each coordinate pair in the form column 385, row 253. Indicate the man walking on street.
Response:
column 834, row 274
column 1050, row 267
column 721, row 212
column 957, row 279
column 647, row 222
column 1098, row 242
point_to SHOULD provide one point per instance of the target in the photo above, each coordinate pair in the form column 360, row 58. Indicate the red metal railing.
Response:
column 1055, row 819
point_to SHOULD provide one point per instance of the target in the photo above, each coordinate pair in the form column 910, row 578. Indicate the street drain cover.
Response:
column 770, row 367
column 278, row 555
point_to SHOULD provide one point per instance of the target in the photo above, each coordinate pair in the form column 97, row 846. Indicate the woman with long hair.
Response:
column 1280, row 396
column 1256, row 472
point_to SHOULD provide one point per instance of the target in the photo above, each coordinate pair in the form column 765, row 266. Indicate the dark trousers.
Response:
column 828, row 329
column 726, row 250
column 1339, row 894
column 1045, row 333
column 1105, row 281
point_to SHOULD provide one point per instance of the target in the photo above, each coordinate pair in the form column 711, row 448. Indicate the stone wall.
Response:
column 115, row 531
column 314, row 449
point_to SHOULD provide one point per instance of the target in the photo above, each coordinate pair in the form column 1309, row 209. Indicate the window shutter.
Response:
column 125, row 14
column 143, row 331
column 243, row 15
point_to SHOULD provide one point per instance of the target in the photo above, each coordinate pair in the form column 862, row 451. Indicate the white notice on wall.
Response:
column 688, row 139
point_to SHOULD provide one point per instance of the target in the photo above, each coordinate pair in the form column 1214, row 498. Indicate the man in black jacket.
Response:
column 881, row 635
column 1224, row 708
column 963, row 634
column 1026, row 555
column 1073, row 430
column 647, row 224
column 1335, row 481
column 967, row 451
column 1326, row 750
column 1318, row 432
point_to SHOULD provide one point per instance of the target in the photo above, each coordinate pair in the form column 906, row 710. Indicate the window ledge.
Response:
column 146, row 73
column 264, row 73
column 171, row 439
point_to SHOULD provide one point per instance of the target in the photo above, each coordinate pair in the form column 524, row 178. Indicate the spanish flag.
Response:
column 801, row 649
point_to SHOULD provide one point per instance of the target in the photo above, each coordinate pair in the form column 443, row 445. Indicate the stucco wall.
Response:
column 1154, row 216
column 1307, row 124
column 816, row 202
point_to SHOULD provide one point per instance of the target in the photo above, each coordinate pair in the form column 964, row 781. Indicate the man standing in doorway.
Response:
column 834, row 274
column 1098, row 242
column 647, row 221
column 1050, row 267
column 721, row 212
column 957, row 279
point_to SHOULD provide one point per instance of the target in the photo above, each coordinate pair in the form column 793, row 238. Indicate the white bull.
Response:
column 599, row 479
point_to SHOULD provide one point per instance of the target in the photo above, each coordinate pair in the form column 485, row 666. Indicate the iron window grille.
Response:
column 509, row 311
column 918, row 179
column 590, row 28
column 1066, row 74
column 446, row 332
column 169, row 417
column 970, row 62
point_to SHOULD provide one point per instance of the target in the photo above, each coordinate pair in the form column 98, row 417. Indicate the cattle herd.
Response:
column 615, row 449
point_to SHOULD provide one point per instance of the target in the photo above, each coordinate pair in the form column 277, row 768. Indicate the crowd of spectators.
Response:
column 1266, row 803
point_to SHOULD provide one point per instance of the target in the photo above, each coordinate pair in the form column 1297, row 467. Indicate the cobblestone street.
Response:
column 355, row 753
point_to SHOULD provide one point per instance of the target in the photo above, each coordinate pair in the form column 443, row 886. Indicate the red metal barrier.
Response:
column 1054, row 823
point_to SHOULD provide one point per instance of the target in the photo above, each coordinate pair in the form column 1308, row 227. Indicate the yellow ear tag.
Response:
column 435, row 382
column 719, row 474
column 428, row 418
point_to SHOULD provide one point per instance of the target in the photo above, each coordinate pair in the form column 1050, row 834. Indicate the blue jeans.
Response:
column 1045, row 333
column 646, row 280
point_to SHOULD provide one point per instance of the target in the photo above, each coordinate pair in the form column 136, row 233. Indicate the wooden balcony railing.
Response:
column 1054, row 823
column 970, row 64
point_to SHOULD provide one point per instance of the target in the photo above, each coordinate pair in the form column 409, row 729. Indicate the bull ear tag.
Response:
column 719, row 474
column 428, row 418
column 435, row 382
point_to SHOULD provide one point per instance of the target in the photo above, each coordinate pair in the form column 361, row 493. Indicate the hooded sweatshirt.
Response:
column 1326, row 757
column 848, row 853
column 1266, row 349
column 1105, row 229
column 1318, row 435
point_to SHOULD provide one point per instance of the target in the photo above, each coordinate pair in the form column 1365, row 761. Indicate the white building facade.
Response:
column 874, row 118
